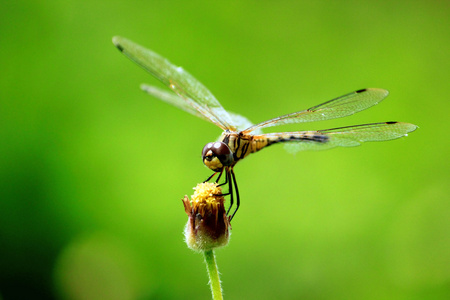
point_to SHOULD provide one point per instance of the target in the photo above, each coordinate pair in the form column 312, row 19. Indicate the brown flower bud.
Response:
column 208, row 226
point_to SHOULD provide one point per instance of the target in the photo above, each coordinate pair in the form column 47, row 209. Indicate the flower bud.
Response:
column 208, row 226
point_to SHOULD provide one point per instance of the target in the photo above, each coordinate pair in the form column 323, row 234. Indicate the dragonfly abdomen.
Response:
column 286, row 137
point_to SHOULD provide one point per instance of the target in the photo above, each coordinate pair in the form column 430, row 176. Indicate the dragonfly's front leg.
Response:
column 237, row 193
column 229, row 179
column 209, row 178
column 218, row 178
column 230, row 188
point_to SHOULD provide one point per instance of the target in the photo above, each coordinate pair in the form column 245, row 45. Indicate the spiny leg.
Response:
column 218, row 178
column 237, row 194
column 228, row 173
column 226, row 180
column 209, row 178
column 224, row 183
column 230, row 189
column 217, row 181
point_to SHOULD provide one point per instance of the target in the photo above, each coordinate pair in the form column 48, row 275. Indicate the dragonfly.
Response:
column 240, row 137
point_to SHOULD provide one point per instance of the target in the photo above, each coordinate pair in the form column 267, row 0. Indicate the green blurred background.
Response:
column 93, row 170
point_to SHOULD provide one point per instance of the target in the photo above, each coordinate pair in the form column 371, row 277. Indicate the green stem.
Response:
column 213, row 274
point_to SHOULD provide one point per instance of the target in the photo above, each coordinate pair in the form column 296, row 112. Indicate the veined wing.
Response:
column 242, row 122
column 238, row 121
column 188, row 88
column 339, row 137
column 337, row 108
column 173, row 99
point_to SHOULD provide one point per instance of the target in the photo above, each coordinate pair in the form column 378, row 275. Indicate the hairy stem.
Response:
column 213, row 273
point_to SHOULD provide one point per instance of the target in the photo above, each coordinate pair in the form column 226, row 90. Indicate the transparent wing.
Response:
column 340, row 137
column 173, row 99
column 240, row 122
column 337, row 108
column 181, row 82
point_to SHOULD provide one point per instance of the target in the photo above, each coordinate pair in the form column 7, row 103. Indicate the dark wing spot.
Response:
column 119, row 47
column 392, row 122
column 361, row 90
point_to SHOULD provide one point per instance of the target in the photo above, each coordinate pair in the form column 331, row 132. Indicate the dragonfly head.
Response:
column 217, row 155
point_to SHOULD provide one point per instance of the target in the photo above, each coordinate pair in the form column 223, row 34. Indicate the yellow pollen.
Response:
column 207, row 198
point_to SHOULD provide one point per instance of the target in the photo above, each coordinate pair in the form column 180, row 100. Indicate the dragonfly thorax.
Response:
column 217, row 155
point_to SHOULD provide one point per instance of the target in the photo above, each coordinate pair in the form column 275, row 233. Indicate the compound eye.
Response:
column 218, row 150
column 206, row 152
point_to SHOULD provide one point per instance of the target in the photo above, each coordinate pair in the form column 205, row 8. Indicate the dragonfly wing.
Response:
column 340, row 137
column 242, row 122
column 181, row 82
column 173, row 99
column 337, row 108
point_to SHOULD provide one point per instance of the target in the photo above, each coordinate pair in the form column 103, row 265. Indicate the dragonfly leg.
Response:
column 218, row 178
column 230, row 189
column 209, row 178
column 226, row 179
column 237, row 194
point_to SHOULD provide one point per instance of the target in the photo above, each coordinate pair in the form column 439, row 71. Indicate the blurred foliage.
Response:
column 93, row 170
